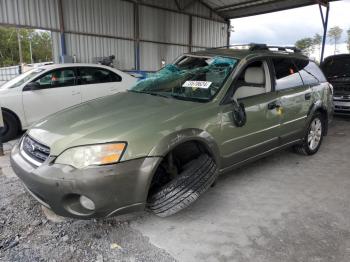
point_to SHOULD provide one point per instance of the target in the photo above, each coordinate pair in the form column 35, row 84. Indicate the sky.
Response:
column 286, row 27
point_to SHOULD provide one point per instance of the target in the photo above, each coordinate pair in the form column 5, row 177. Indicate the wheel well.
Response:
column 174, row 161
column 3, row 109
column 189, row 150
column 324, row 115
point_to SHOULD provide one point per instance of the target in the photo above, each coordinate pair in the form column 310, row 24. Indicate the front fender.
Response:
column 172, row 140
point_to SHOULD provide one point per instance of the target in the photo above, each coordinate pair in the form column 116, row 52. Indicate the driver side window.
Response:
column 254, row 80
column 57, row 78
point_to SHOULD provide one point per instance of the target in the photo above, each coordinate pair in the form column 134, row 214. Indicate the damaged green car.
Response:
column 164, row 142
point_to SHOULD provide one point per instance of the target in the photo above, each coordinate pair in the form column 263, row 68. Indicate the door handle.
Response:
column 273, row 105
column 75, row 93
column 307, row 96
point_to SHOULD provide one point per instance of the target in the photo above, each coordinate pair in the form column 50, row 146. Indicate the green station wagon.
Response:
column 164, row 142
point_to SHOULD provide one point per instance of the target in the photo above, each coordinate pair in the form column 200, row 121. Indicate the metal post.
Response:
column 31, row 51
column 19, row 47
column 1, row 126
column 137, row 35
column 228, row 32
column 190, row 34
column 325, row 28
column 62, row 34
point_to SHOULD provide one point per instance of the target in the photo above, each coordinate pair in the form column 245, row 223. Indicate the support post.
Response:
column 137, row 34
column 325, row 28
column 19, row 47
column 190, row 34
column 62, row 31
column 30, row 51
column 228, row 22
column 1, row 126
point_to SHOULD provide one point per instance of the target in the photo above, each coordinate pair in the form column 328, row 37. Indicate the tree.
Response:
column 306, row 45
column 348, row 40
column 41, row 46
column 334, row 35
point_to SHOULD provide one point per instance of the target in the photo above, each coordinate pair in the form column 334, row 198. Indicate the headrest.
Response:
column 254, row 75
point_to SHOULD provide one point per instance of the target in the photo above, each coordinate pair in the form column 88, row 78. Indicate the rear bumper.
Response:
column 114, row 189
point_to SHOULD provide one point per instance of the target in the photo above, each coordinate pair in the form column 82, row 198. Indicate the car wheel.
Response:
column 314, row 136
column 11, row 128
column 180, row 192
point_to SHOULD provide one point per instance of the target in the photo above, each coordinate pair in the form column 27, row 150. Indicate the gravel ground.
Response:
column 285, row 207
column 29, row 234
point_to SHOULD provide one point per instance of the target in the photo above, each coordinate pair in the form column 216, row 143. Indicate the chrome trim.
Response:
column 251, row 147
column 259, row 155
column 254, row 133
column 27, row 157
column 294, row 120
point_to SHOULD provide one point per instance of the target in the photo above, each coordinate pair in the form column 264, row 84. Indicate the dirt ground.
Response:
column 282, row 208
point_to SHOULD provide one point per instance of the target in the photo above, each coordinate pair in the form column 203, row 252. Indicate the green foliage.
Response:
column 334, row 35
column 348, row 40
column 41, row 46
column 317, row 40
column 306, row 45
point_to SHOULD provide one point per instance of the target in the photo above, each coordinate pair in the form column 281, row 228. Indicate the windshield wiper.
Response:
column 192, row 99
column 149, row 93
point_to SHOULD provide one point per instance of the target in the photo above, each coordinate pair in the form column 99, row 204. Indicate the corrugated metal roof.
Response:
column 240, row 8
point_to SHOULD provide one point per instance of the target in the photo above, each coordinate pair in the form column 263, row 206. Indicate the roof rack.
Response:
column 259, row 47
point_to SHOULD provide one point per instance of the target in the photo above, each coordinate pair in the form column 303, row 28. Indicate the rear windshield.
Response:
column 337, row 67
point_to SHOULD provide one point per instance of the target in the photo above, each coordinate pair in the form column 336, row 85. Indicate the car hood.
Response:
column 132, row 117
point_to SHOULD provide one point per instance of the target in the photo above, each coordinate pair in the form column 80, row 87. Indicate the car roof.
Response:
column 57, row 66
column 246, row 53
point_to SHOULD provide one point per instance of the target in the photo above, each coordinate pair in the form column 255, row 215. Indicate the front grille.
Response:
column 35, row 150
column 341, row 88
column 341, row 98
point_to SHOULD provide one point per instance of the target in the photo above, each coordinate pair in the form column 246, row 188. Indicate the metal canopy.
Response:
column 230, row 9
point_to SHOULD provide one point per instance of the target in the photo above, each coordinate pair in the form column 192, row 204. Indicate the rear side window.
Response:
column 286, row 74
column 92, row 75
column 310, row 72
column 57, row 78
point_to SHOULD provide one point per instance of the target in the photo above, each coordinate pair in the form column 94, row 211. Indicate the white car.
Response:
column 46, row 90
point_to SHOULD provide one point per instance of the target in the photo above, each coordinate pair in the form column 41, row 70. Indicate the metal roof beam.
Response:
column 265, row 7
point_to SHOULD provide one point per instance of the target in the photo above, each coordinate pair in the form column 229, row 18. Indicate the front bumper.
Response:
column 341, row 105
column 115, row 189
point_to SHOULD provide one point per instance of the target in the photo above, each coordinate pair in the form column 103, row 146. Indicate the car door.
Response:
column 98, row 82
column 294, row 99
column 261, row 130
column 55, row 91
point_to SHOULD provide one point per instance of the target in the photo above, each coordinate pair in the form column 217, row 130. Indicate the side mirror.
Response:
column 238, row 114
column 32, row 86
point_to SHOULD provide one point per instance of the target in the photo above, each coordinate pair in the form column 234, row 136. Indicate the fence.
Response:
column 7, row 73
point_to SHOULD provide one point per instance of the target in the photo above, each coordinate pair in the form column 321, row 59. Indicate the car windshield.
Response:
column 19, row 80
column 337, row 67
column 191, row 78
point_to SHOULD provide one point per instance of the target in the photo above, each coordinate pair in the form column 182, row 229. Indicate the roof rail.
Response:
column 257, row 47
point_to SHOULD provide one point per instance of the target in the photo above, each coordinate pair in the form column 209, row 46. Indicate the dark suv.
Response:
column 337, row 70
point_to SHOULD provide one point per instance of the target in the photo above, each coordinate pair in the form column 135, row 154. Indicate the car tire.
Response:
column 314, row 136
column 198, row 175
column 11, row 127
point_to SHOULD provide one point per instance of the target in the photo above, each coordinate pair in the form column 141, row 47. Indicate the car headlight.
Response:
column 92, row 155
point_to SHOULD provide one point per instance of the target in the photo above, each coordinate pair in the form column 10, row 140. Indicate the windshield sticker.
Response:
column 197, row 84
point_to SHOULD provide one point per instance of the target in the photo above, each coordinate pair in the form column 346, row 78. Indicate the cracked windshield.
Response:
column 192, row 78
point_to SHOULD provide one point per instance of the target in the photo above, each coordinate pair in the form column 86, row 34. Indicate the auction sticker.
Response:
column 197, row 84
